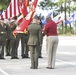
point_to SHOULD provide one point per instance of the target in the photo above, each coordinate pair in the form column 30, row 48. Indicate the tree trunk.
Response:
column 65, row 18
column 69, row 16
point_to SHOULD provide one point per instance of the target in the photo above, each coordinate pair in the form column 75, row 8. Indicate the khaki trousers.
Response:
column 51, row 47
column 34, row 53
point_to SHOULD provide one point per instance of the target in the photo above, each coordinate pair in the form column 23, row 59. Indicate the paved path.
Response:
column 65, row 61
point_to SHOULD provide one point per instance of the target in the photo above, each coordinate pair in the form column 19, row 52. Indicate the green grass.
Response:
column 67, row 34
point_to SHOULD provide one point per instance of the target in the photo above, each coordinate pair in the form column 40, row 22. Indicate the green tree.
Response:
column 62, row 6
column 61, row 9
column 47, row 5
column 4, row 4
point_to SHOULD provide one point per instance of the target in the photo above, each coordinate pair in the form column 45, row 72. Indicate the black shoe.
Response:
column 14, row 58
column 25, row 56
column 36, row 68
column 40, row 57
column 2, row 58
column 8, row 55
column 49, row 68
column 32, row 68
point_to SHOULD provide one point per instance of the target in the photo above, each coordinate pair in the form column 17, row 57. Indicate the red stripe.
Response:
column 35, row 3
column 19, row 3
column 6, row 14
column 10, row 9
column 14, row 7
column 26, row 21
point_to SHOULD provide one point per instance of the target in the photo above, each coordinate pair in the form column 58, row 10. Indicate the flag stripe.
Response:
column 12, row 10
column 15, row 7
column 17, row 12
column 26, row 21
column 6, row 14
column 3, row 14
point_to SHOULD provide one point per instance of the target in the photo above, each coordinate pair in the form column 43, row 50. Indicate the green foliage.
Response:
column 4, row 4
column 73, row 7
column 60, row 2
column 47, row 4
column 60, row 6
column 70, row 30
column 0, row 7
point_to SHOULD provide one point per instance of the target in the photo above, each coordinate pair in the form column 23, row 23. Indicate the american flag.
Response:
column 24, row 10
column 59, row 18
column 12, row 10
column 71, row 19
column 22, row 28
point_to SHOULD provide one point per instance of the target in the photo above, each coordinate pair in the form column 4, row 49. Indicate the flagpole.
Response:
column 62, row 22
column 65, row 18
column 69, row 15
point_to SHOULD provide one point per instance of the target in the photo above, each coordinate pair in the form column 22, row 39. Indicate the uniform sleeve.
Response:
column 7, row 29
column 46, row 28
column 40, row 36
